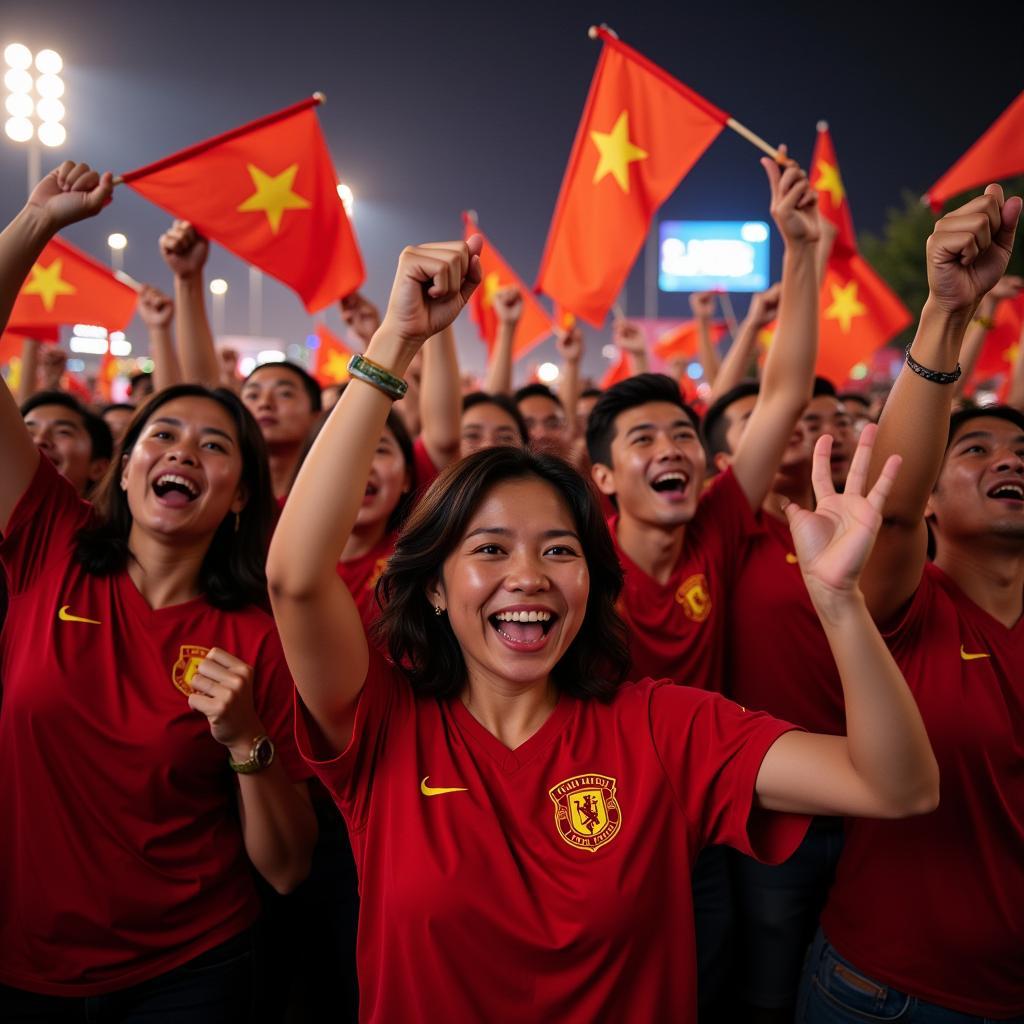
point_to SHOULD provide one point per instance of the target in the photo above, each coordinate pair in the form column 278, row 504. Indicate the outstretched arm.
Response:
column 157, row 311
column 68, row 194
column 630, row 338
column 441, row 399
column 569, row 343
column 764, row 308
column 789, row 369
column 508, row 307
column 967, row 254
column 884, row 766
column 977, row 332
column 185, row 251
column 319, row 624
column 702, row 305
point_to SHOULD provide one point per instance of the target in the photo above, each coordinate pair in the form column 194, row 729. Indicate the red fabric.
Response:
column 602, row 218
column 619, row 370
column 330, row 365
column 677, row 630
column 778, row 657
column 306, row 243
column 67, row 286
column 998, row 154
column 934, row 905
column 477, row 902
column 682, row 341
column 1002, row 343
column 426, row 471
column 11, row 342
column 832, row 199
column 122, row 854
column 361, row 575
column 535, row 324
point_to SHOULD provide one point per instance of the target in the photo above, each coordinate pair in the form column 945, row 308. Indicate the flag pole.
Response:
column 603, row 31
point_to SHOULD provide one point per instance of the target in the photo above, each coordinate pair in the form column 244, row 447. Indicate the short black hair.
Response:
column 536, row 390
column 627, row 394
column 102, row 440
column 823, row 386
column 309, row 382
column 591, row 393
column 854, row 396
column 977, row 412
column 138, row 378
column 715, row 424
column 504, row 403
column 118, row 407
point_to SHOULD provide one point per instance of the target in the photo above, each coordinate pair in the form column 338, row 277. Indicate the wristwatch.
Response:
column 261, row 755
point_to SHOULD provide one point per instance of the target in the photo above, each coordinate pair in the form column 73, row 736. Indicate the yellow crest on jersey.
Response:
column 695, row 597
column 587, row 813
column 190, row 657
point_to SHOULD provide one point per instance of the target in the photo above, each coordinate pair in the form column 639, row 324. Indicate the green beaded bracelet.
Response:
column 363, row 369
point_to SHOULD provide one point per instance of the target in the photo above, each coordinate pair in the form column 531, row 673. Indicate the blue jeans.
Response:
column 213, row 988
column 833, row 991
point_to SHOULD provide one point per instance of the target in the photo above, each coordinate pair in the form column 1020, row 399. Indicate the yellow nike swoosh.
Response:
column 792, row 559
column 439, row 790
column 65, row 616
column 972, row 657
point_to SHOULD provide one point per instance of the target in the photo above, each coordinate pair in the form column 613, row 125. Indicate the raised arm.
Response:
column 966, row 255
column 789, row 369
column 883, row 767
column 508, row 308
column 441, row 399
column 185, row 252
column 68, row 194
column 630, row 338
column 764, row 308
column 156, row 311
column 1015, row 394
column 320, row 627
column 977, row 332
column 569, row 343
column 702, row 305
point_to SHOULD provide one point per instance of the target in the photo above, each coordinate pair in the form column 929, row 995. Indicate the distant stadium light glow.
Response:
column 547, row 372
column 49, row 62
column 18, row 56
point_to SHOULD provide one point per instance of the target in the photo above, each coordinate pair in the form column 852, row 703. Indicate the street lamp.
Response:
column 218, row 288
column 33, row 119
column 117, row 243
column 348, row 199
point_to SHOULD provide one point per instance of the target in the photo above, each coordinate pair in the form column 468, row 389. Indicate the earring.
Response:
column 238, row 521
column 438, row 610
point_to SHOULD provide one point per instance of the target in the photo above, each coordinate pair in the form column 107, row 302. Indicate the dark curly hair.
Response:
column 233, row 572
column 425, row 645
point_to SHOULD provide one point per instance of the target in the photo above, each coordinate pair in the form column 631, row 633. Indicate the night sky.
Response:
column 434, row 108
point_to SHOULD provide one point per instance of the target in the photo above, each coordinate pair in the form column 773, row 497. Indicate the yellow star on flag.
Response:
column 845, row 305
column 1011, row 352
column 47, row 283
column 336, row 367
column 492, row 285
column 273, row 195
column 617, row 152
column 830, row 182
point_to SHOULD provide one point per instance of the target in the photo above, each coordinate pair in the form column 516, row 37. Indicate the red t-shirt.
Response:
column 550, row 882
column 361, row 575
column 778, row 657
column 426, row 471
column 122, row 855
column 677, row 630
column 934, row 905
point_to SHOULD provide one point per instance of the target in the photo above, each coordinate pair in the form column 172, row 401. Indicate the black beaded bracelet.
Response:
column 935, row 376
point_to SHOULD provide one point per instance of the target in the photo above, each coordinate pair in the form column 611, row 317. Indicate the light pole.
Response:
column 117, row 243
column 218, row 289
column 33, row 104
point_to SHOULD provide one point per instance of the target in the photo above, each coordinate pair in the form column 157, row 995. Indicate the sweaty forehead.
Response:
column 998, row 428
column 658, row 414
column 502, row 507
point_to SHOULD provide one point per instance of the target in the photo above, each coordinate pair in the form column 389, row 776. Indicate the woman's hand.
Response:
column 834, row 541
column 70, row 193
column 223, row 692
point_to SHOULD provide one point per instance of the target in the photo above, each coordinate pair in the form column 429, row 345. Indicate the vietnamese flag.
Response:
column 682, row 341
column 832, row 201
column 534, row 326
column 267, row 192
column 67, row 286
column 999, row 153
column 1002, row 342
column 331, row 363
column 859, row 314
column 640, row 133
column 619, row 370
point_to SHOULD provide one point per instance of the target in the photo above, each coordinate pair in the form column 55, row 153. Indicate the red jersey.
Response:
column 361, row 575
column 122, row 855
column 934, row 905
column 550, row 882
column 778, row 657
column 677, row 630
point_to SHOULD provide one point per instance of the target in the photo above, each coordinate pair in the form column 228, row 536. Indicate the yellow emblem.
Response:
column 190, row 657
column 587, row 815
column 378, row 571
column 695, row 597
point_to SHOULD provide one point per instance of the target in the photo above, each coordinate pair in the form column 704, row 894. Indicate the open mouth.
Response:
column 673, row 483
column 174, row 490
column 1007, row 492
column 524, row 630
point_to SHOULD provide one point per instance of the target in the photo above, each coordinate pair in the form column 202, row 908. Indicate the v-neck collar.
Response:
column 134, row 600
column 512, row 760
column 972, row 607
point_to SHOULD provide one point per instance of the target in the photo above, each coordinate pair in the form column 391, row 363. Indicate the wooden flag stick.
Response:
column 730, row 313
column 128, row 280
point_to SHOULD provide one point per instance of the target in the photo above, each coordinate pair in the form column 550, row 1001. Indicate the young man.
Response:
column 826, row 414
column 929, row 914
column 76, row 441
column 545, row 419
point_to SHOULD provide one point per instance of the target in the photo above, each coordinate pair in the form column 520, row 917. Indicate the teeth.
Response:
column 671, row 476
column 523, row 616
column 1009, row 490
column 173, row 478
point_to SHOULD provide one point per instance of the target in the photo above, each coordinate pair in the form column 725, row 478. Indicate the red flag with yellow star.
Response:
column 67, row 286
column 331, row 363
column 267, row 192
column 619, row 369
column 1003, row 341
column 682, row 341
column 828, row 184
column 999, row 153
column 534, row 326
column 641, row 132
column 859, row 314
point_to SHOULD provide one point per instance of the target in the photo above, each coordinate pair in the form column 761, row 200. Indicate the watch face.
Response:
column 264, row 752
